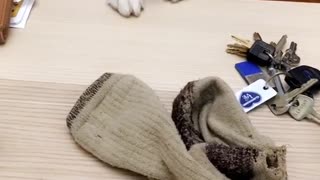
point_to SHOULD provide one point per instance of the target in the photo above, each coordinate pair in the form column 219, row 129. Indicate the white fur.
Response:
column 129, row 7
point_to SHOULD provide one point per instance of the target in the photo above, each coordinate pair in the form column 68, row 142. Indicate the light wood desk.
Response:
column 68, row 44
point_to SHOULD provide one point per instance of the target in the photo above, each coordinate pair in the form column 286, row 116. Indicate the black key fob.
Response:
column 300, row 75
column 258, row 53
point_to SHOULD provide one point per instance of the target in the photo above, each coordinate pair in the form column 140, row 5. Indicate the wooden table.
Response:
column 68, row 44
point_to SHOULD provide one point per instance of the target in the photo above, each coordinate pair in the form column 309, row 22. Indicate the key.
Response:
column 303, row 107
column 290, row 57
column 237, row 47
column 257, row 36
column 277, row 61
column 281, row 43
column 278, row 56
column 278, row 52
column 272, row 71
column 244, row 42
column 236, row 52
column 300, row 75
column 240, row 48
column 258, row 53
column 276, row 80
column 273, row 44
column 281, row 103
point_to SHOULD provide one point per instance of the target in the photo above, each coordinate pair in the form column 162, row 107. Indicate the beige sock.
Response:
column 208, row 111
column 121, row 121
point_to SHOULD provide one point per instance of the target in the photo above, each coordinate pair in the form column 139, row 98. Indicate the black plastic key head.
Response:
column 300, row 75
column 258, row 53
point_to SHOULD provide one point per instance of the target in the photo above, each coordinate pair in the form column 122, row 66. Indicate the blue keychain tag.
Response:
column 255, row 94
column 250, row 72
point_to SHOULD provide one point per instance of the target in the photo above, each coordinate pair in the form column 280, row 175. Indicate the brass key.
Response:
column 240, row 48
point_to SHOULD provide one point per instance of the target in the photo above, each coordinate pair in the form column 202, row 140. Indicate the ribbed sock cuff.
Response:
column 86, row 98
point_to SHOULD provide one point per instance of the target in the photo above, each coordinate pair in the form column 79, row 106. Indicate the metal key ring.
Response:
column 270, row 55
column 275, row 62
column 265, row 87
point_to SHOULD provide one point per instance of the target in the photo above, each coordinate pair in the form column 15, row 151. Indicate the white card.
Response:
column 254, row 95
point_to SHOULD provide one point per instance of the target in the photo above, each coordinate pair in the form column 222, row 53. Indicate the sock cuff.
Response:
column 92, row 97
column 86, row 97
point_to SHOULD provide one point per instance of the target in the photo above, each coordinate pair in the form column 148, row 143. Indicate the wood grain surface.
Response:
column 68, row 44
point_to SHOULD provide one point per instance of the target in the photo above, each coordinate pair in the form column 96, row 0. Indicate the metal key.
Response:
column 277, row 58
column 276, row 80
column 280, row 44
column 302, row 108
column 273, row 44
column 281, row 103
column 290, row 57
column 300, row 75
column 257, row 36
column 281, row 65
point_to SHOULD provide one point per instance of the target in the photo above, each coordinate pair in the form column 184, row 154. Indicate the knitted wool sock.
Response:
column 207, row 111
column 121, row 121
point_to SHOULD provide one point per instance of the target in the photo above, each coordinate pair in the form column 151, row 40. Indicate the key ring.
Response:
column 277, row 63
column 265, row 87
column 274, row 61
column 270, row 55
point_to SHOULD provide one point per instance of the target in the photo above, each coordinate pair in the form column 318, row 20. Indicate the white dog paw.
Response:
column 127, row 7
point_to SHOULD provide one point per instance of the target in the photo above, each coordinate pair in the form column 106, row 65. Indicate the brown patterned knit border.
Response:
column 235, row 162
column 86, row 97
column 182, row 116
